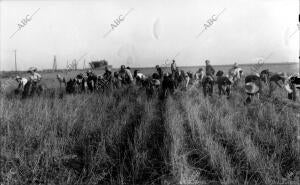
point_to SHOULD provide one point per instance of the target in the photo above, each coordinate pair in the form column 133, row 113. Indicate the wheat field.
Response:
column 123, row 137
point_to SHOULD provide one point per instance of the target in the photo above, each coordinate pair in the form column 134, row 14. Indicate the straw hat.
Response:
column 251, row 88
column 32, row 69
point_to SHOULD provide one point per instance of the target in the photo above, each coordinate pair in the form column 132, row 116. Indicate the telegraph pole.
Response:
column 54, row 64
column 16, row 68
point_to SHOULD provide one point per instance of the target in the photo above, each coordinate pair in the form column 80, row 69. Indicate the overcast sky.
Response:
column 150, row 33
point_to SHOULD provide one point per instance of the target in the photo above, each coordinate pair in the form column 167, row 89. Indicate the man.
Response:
column 183, row 80
column 139, row 77
column 253, row 86
column 32, row 86
column 208, row 81
column 235, row 73
column 210, row 71
column 125, row 75
column 107, row 74
column 173, row 67
column 107, row 81
column 293, row 87
column 265, row 76
column 159, row 71
column 22, row 82
column 224, row 84
column 116, row 81
column 34, row 76
column 168, row 85
column 91, row 80
column 81, row 84
column 199, row 75
column 277, row 79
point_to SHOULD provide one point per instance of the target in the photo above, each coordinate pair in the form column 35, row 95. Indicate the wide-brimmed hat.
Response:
column 18, row 77
column 32, row 69
column 283, row 75
column 251, row 88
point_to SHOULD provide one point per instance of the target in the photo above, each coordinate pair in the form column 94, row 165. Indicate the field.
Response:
column 123, row 137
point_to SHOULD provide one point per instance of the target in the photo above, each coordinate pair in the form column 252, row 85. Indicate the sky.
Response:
column 143, row 33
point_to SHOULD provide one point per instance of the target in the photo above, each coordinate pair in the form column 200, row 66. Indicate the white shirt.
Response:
column 141, row 76
column 35, row 77
column 23, row 82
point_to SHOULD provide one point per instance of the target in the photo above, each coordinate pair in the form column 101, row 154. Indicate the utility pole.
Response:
column 84, row 64
column 16, row 68
column 54, row 64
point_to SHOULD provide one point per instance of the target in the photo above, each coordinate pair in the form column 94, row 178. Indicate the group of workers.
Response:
column 34, row 79
column 169, row 81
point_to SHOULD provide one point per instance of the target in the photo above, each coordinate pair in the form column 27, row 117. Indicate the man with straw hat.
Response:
column 32, row 86
column 34, row 76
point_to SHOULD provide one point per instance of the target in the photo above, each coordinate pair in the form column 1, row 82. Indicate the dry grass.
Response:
column 125, row 138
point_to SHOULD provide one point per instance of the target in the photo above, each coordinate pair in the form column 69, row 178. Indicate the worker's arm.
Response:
column 130, row 75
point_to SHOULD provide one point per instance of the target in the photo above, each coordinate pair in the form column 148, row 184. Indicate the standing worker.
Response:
column 173, row 67
column 125, row 75
column 159, row 71
column 210, row 71
column 208, row 81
